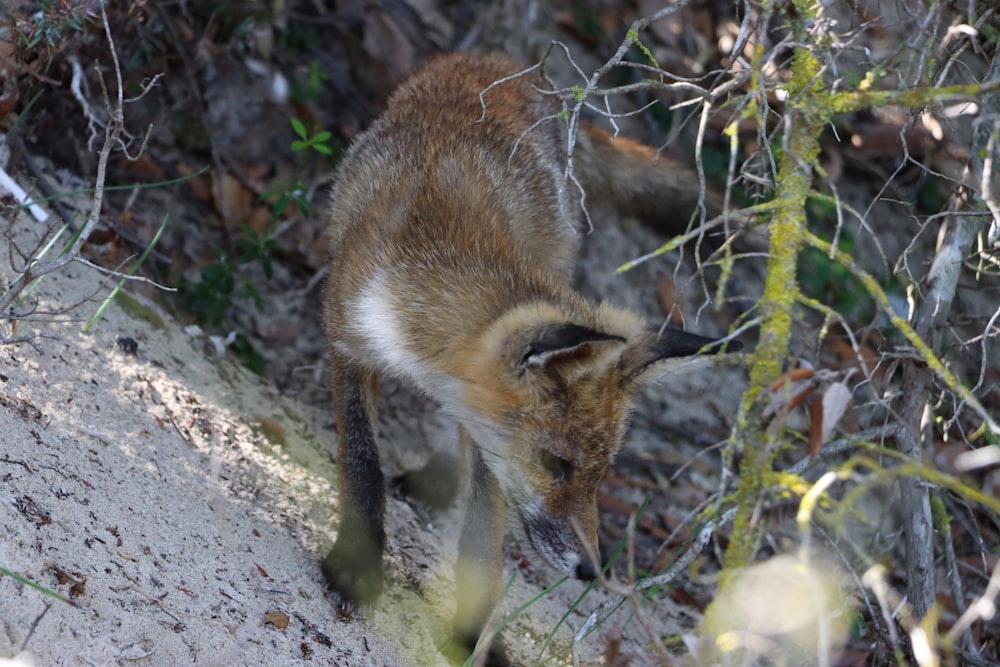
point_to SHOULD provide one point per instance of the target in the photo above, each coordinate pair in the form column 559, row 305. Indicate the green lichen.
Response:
column 915, row 98
column 781, row 291
column 810, row 107
column 882, row 301
column 633, row 37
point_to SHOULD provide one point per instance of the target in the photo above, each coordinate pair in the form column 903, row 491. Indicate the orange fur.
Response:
column 453, row 237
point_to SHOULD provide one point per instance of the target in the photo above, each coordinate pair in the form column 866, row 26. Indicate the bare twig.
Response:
column 695, row 548
column 930, row 316
column 125, row 276
column 954, row 580
column 114, row 128
column 984, row 608
column 34, row 625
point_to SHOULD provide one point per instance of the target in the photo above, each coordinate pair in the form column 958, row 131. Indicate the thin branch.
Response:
column 113, row 130
column 984, row 608
column 125, row 276
column 678, row 568
column 929, row 319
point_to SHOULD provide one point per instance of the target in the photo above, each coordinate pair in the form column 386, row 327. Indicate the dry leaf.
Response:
column 200, row 188
column 867, row 358
column 278, row 619
column 8, row 95
column 143, row 167
column 259, row 218
column 836, row 400
column 78, row 582
column 815, row 428
column 257, row 173
column 782, row 398
column 232, row 201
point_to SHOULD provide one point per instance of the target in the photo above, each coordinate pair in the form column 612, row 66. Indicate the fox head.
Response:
column 546, row 398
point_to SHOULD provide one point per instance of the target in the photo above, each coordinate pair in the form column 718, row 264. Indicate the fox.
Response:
column 453, row 231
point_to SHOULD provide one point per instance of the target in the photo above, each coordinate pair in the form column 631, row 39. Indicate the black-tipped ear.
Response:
column 669, row 344
column 680, row 343
column 561, row 343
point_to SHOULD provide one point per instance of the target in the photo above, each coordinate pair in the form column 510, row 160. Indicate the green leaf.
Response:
column 273, row 192
column 252, row 292
column 322, row 148
column 218, row 278
column 279, row 206
column 303, row 205
column 300, row 128
column 250, row 357
column 299, row 145
column 246, row 249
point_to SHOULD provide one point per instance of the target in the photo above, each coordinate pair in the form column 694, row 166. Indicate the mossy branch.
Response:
column 801, row 147
column 809, row 108
column 922, row 348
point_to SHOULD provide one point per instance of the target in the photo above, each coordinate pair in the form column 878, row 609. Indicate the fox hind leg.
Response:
column 478, row 572
column 353, row 567
column 436, row 484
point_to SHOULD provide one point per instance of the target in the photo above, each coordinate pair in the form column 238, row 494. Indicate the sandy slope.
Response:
column 144, row 485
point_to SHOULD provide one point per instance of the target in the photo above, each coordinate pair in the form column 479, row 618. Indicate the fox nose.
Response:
column 585, row 570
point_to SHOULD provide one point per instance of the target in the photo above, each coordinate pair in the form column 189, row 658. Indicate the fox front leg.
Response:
column 478, row 572
column 353, row 568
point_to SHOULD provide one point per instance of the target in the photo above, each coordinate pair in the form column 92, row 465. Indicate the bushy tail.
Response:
column 634, row 179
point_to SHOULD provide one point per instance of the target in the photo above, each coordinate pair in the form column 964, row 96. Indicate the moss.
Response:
column 138, row 311
column 781, row 292
column 273, row 431
column 810, row 106
column 847, row 101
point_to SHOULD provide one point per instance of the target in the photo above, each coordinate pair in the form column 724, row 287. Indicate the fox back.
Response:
column 453, row 235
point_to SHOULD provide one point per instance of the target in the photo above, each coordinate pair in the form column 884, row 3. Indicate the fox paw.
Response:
column 354, row 576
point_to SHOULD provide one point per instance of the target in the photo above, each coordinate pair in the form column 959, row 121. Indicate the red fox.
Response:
column 453, row 234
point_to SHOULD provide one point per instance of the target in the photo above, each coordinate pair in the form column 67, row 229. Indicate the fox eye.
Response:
column 560, row 468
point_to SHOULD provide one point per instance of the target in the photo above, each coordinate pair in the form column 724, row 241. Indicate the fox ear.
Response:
column 568, row 349
column 665, row 349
